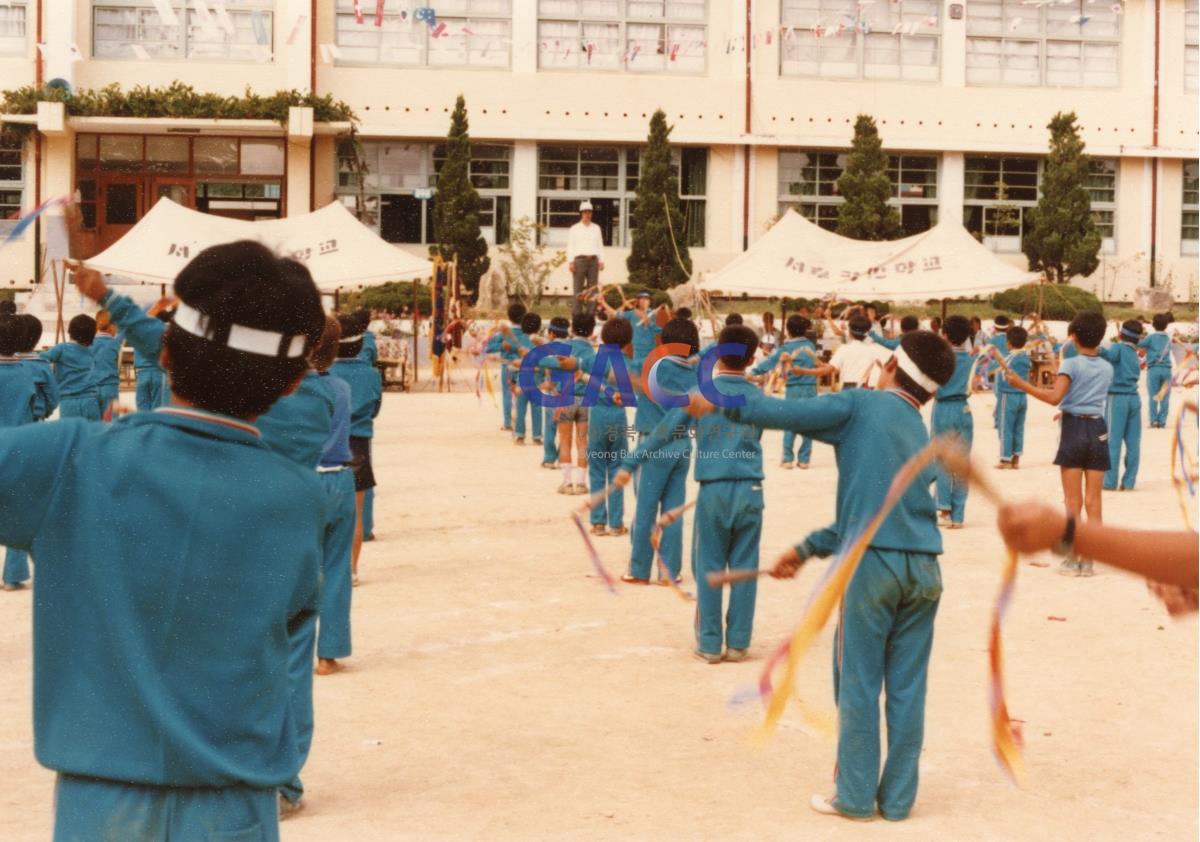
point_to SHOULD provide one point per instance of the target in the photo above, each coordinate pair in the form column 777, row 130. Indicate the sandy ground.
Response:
column 498, row 692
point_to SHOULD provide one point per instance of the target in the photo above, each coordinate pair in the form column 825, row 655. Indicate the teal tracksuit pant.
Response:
column 300, row 679
column 1123, row 414
column 1156, row 376
column 87, row 809
column 607, row 449
column 661, row 486
column 333, row 640
column 108, row 394
column 506, row 397
column 16, row 566
column 725, row 536
column 369, row 513
column 883, row 640
column 789, row 437
column 152, row 391
column 81, row 406
column 549, row 437
column 953, row 417
column 522, row 406
column 1012, row 424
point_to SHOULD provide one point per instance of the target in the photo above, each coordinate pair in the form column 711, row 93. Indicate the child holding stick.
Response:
column 1011, row 402
column 1123, row 409
column 608, row 440
column 801, row 351
column 952, row 416
column 74, row 369
column 1158, row 369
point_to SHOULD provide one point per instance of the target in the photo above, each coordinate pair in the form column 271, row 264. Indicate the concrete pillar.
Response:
column 299, row 153
column 954, row 46
column 60, row 51
column 524, row 47
column 296, row 56
column 524, row 180
column 950, row 188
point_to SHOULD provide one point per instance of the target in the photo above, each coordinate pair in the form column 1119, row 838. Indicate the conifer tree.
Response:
column 866, row 188
column 456, row 207
column 659, row 245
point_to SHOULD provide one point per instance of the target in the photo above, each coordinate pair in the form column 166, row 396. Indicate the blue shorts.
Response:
column 1083, row 443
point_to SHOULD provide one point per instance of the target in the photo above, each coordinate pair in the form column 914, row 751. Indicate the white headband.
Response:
column 346, row 340
column 265, row 343
column 904, row 363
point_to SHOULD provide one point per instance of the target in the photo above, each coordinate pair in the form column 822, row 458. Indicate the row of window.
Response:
column 398, row 188
column 1069, row 43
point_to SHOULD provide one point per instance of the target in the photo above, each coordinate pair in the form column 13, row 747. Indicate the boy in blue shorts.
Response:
column 1123, row 410
column 572, row 420
column 1079, row 391
column 1011, row 403
column 803, row 354
column 181, row 727
column 885, row 629
column 729, row 506
column 952, row 416
column 74, row 369
column 1158, row 369
column 106, row 352
column 501, row 346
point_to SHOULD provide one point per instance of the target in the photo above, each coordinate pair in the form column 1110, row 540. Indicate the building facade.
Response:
column 762, row 95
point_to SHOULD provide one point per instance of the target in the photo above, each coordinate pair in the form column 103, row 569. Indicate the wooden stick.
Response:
column 732, row 577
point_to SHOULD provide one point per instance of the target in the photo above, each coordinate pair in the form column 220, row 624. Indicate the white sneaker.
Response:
column 565, row 488
column 787, row 465
column 736, row 656
column 823, row 804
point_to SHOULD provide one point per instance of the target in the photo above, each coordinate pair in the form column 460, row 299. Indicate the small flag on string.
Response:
column 427, row 15
column 260, row 28
column 207, row 25
column 166, row 12
column 379, row 6
column 139, row 52
column 223, row 18
column 296, row 27
column 358, row 12
column 438, row 31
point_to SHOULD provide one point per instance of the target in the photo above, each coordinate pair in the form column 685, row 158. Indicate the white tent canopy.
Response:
column 799, row 259
column 338, row 250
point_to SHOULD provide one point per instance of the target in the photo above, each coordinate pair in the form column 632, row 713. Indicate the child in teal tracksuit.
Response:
column 106, row 352
column 366, row 399
column 144, row 333
column 161, row 689
column 1011, row 402
column 607, row 439
column 907, row 325
column 20, row 403
column 369, row 353
column 952, row 416
column 729, row 506
column 43, row 372
column 557, row 331
column 1158, row 369
column 803, row 355
column 531, row 323
column 502, row 347
column 571, row 418
column 1123, row 410
column 74, row 369
column 661, row 480
column 885, row 630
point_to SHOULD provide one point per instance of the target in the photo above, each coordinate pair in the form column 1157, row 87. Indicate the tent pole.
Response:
column 416, row 321
column 943, row 311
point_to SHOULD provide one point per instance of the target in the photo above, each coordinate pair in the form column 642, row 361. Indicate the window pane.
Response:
column 166, row 154
column 85, row 151
column 262, row 157
column 120, row 204
column 120, row 153
column 215, row 154
column 12, row 29
column 11, row 168
column 117, row 28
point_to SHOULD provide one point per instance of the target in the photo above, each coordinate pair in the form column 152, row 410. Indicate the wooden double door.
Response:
column 122, row 200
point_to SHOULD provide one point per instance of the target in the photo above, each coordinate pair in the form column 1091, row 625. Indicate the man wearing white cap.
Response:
column 585, row 254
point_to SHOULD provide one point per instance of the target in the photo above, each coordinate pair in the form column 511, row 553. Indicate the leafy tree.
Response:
column 525, row 267
column 659, row 245
column 866, row 187
column 456, row 210
column 1061, row 239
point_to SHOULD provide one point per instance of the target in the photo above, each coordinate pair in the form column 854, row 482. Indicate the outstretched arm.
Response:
column 1053, row 396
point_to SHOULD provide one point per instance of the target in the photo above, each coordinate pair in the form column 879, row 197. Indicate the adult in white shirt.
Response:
column 858, row 362
column 585, row 255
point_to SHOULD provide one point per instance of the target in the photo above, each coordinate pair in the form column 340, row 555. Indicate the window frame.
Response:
column 463, row 19
column 1191, row 45
column 185, row 40
column 9, row 185
column 788, row 31
column 19, row 43
column 1189, row 245
column 1042, row 38
column 622, row 18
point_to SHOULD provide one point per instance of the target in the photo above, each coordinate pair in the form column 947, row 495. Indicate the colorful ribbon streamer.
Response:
column 1006, row 738
column 607, row 577
column 656, row 542
column 1183, row 467
column 28, row 219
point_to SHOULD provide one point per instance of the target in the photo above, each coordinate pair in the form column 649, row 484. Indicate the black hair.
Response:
column 1001, row 320
column 738, row 335
column 12, row 335
column 797, row 326
column 1161, row 321
column 1134, row 327
column 935, row 324
column 350, row 326
column 515, row 312
column 683, row 332
column 32, row 332
column 733, row 319
column 1088, row 328
column 860, row 326
column 1016, row 337
column 975, row 320
column 582, row 324
column 240, row 283
column 531, row 323
column 909, row 323
column 562, row 325
column 683, row 313
column 363, row 315
column 8, row 307
column 957, row 329
column 165, row 316
column 617, row 332
column 82, row 329
column 932, row 355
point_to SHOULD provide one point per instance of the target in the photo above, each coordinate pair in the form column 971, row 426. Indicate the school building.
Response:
column 762, row 95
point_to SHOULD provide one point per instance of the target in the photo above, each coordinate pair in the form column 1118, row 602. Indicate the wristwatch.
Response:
column 1066, row 544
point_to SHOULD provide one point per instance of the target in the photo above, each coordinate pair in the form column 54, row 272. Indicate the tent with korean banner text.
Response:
column 798, row 259
column 339, row 251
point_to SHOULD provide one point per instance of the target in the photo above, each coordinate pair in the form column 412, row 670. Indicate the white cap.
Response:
column 585, row 205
